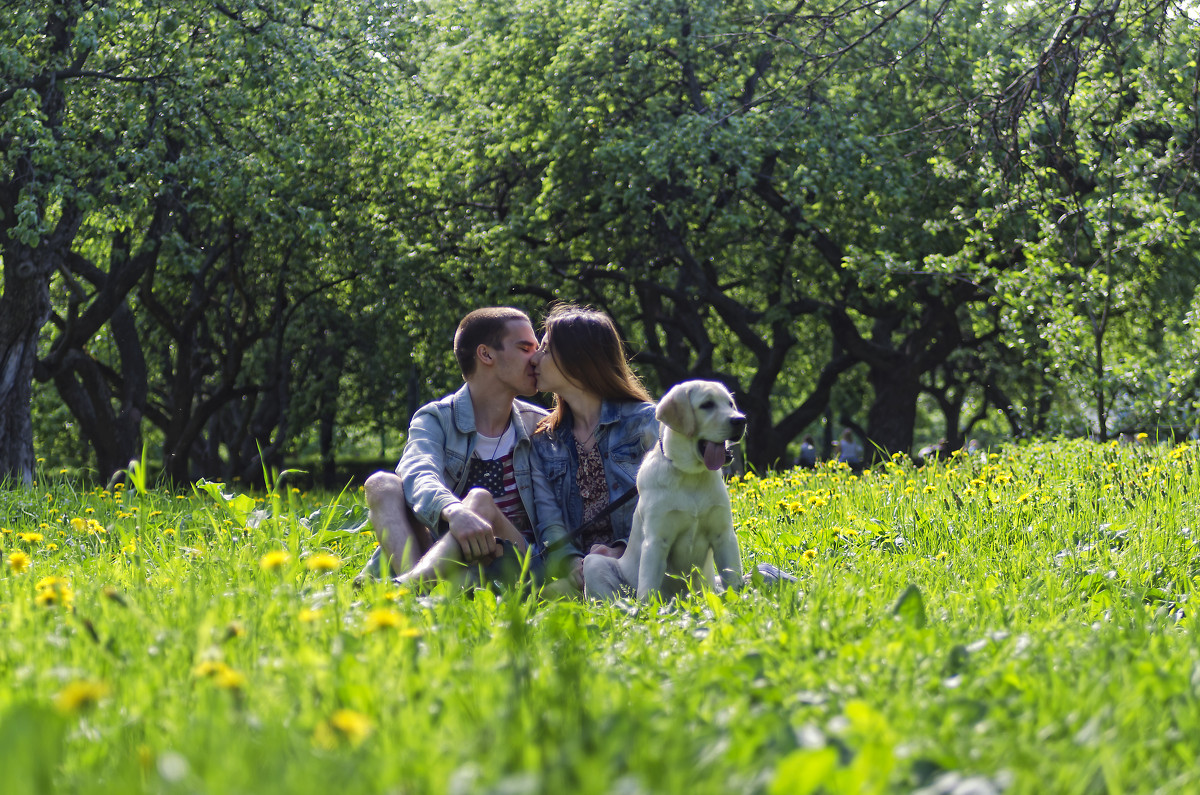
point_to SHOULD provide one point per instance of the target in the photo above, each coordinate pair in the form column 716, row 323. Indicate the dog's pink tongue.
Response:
column 714, row 455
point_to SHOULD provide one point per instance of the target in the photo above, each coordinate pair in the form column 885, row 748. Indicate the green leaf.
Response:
column 910, row 607
column 804, row 771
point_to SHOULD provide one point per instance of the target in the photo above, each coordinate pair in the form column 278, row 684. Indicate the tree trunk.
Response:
column 89, row 391
column 18, row 349
column 24, row 307
column 893, row 411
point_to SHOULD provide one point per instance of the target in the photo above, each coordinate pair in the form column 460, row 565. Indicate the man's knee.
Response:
column 480, row 501
column 383, row 488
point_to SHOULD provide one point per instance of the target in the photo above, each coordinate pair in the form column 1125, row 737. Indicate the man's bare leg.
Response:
column 399, row 547
column 446, row 560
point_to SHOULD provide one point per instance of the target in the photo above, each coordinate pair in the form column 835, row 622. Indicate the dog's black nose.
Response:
column 737, row 426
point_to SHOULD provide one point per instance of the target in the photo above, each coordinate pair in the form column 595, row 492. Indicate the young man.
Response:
column 464, row 482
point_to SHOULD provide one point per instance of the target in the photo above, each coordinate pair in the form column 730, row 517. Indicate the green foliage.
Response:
column 867, row 211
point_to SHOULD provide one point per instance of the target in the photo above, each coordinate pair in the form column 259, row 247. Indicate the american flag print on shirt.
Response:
column 499, row 478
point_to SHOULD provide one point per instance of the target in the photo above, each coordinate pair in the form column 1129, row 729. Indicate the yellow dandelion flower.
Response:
column 31, row 537
column 131, row 547
column 60, row 594
column 399, row 593
column 353, row 727
column 207, row 668
column 79, row 524
column 18, row 561
column 168, row 531
column 229, row 679
column 795, row 507
column 941, row 555
column 89, row 510
column 383, row 618
column 308, row 615
column 274, row 560
column 323, row 561
column 4, row 531
column 1141, row 437
column 51, row 547
column 809, row 555
column 79, row 695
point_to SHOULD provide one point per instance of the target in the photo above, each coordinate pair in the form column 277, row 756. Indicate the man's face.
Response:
column 514, row 365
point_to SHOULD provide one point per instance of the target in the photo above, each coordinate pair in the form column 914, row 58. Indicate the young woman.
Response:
column 586, row 453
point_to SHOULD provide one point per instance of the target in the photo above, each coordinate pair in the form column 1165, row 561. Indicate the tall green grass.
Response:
column 1024, row 623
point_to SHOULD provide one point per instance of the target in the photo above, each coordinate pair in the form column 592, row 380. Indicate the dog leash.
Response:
column 570, row 537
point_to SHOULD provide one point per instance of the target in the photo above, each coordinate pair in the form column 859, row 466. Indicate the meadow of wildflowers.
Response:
column 1016, row 623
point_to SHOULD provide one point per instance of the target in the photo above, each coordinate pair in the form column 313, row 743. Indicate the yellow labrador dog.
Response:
column 683, row 527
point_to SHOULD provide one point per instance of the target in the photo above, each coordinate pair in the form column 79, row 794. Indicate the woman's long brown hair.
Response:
column 587, row 349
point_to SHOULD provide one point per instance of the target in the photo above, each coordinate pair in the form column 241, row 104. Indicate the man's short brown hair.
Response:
column 482, row 327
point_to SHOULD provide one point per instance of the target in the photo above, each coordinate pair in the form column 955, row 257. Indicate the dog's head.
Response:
column 704, row 412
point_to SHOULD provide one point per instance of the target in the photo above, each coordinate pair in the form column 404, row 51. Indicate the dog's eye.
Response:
column 708, row 404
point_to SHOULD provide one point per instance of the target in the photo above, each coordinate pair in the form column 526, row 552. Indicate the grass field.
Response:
column 1021, row 624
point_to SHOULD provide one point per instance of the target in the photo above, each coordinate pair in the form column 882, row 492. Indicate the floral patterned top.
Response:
column 593, row 488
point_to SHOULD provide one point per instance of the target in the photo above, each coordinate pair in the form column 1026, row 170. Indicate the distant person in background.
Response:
column 586, row 453
column 850, row 452
column 939, row 449
column 808, row 454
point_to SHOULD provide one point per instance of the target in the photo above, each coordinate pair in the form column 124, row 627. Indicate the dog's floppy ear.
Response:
column 676, row 412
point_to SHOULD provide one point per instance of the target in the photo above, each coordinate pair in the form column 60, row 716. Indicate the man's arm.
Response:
column 422, row 469
column 423, row 465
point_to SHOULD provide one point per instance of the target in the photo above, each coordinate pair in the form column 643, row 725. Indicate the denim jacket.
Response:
column 441, row 439
column 625, row 432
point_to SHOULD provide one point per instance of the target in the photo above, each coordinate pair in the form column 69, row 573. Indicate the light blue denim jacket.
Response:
column 441, row 439
column 626, row 431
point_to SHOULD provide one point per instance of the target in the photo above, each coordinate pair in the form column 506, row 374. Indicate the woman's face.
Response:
column 549, row 377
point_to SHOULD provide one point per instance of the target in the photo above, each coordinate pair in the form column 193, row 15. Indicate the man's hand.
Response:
column 606, row 552
column 473, row 533
column 576, row 573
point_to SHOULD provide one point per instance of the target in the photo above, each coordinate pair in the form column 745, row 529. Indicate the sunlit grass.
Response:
column 212, row 642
